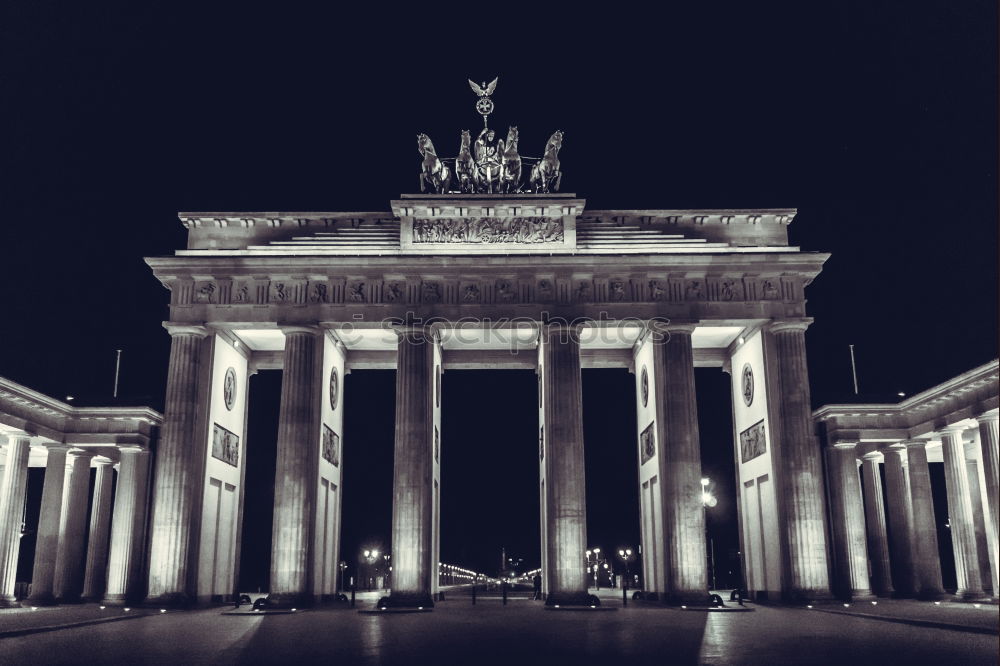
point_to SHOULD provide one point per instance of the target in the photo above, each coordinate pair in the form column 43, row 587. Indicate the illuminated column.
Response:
column 413, row 465
column 963, row 531
column 296, row 467
column 978, row 519
column 175, row 479
column 680, row 465
column 68, row 584
column 96, row 576
column 565, row 491
column 13, row 485
column 878, row 542
column 127, row 523
column 926, row 561
column 848, row 518
column 900, row 520
column 47, row 542
column 989, row 470
column 797, row 455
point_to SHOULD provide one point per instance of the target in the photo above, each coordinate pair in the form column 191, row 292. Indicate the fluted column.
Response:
column 878, row 541
column 988, row 437
column 798, row 458
column 963, row 531
column 900, row 523
column 96, row 575
column 848, row 522
column 12, row 489
column 978, row 518
column 47, row 540
column 127, row 523
column 926, row 561
column 413, row 460
column 296, row 467
column 680, row 465
column 565, row 479
column 175, row 479
column 68, row 584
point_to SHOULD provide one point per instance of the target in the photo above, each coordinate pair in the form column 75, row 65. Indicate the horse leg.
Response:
column 558, row 180
column 421, row 177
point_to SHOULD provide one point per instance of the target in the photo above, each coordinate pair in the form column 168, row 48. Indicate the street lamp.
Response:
column 626, row 555
column 709, row 500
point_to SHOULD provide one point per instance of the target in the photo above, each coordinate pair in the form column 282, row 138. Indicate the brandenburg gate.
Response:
column 485, row 280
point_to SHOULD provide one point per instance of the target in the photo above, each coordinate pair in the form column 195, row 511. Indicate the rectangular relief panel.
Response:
column 225, row 446
column 753, row 443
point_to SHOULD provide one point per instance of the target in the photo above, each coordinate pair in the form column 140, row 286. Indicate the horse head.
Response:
column 555, row 141
column 422, row 141
column 512, row 135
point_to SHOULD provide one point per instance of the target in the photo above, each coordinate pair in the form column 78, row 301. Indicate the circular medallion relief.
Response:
column 229, row 389
column 746, row 384
column 334, row 388
column 644, row 386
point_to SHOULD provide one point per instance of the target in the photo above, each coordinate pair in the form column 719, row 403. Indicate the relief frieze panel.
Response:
column 517, row 230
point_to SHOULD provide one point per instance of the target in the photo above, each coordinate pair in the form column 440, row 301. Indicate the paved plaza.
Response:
column 522, row 632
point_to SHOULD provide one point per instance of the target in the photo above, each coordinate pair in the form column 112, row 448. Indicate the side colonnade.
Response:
column 886, row 534
column 79, row 555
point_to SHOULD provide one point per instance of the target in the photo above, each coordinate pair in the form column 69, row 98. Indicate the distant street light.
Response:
column 626, row 555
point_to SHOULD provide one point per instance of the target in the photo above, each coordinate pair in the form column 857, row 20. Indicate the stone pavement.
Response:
column 19, row 621
column 491, row 634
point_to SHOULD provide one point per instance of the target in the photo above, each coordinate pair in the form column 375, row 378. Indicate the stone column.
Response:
column 797, row 458
column 900, row 523
column 12, row 490
column 926, row 561
column 47, row 541
column 96, row 576
column 978, row 519
column 566, row 509
column 413, row 490
column 175, row 479
column 127, row 527
column 990, row 470
column 963, row 531
column 680, row 465
column 296, row 468
column 68, row 584
column 878, row 542
column 848, row 522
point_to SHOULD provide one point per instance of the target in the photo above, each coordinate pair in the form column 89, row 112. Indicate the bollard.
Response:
column 352, row 594
column 503, row 589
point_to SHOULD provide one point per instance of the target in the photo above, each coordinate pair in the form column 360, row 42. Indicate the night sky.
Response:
column 878, row 121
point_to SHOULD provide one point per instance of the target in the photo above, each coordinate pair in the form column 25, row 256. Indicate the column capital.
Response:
column 176, row 330
column 872, row 456
column 842, row 446
column 793, row 324
column 57, row 446
column 104, row 461
column 954, row 429
column 916, row 443
column 81, row 453
column 130, row 448
column 991, row 416
column 298, row 328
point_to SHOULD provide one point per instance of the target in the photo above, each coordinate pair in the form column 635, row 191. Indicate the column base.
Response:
column 172, row 600
column 408, row 600
column 40, row 600
column 931, row 595
column 971, row 595
column 689, row 598
column 799, row 597
column 9, row 602
column 571, row 599
column 276, row 601
column 70, row 600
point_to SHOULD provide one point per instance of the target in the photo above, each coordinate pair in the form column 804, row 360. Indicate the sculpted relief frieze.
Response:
column 484, row 290
column 519, row 230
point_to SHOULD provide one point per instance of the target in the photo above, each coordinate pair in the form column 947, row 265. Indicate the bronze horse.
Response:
column 465, row 166
column 434, row 171
column 546, row 176
column 510, row 165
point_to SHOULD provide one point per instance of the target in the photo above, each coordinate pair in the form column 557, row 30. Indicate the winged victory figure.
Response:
column 488, row 88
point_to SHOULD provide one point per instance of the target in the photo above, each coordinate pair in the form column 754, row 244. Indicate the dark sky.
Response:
column 878, row 121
